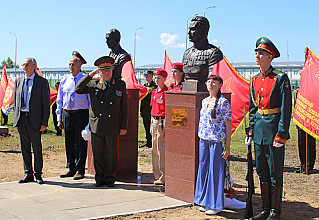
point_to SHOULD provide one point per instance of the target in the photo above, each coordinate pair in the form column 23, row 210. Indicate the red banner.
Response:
column 53, row 93
column 238, row 86
column 128, row 76
column 168, row 68
column 4, row 84
column 306, row 114
column 9, row 96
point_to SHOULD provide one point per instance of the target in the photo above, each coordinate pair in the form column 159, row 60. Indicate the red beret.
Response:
column 178, row 66
column 160, row 72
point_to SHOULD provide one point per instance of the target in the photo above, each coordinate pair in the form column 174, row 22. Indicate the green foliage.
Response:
column 9, row 63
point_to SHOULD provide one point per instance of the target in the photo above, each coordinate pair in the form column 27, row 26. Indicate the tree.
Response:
column 9, row 63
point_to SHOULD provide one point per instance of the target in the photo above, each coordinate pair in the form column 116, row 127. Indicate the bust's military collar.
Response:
column 201, row 45
column 117, row 49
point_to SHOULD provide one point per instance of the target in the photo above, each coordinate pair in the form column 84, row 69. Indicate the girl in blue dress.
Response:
column 215, row 122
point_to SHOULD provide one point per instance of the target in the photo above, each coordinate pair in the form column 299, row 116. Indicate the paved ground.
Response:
column 68, row 199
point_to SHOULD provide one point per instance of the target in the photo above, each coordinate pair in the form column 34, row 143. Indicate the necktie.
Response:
column 72, row 95
column 25, row 95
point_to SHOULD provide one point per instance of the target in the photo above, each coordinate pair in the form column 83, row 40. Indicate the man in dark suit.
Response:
column 31, row 115
column 108, row 118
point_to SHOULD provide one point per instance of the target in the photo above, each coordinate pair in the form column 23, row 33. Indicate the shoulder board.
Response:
column 278, row 72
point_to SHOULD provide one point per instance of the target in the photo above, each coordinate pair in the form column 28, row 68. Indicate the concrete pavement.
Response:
column 79, row 199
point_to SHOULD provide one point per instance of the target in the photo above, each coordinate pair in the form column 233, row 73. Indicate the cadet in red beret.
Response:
column 158, row 126
column 178, row 75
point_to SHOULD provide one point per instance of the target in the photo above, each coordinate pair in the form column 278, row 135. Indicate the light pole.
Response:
column 187, row 28
column 135, row 42
column 15, row 58
column 209, row 8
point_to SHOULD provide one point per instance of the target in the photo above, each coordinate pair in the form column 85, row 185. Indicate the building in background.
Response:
column 246, row 69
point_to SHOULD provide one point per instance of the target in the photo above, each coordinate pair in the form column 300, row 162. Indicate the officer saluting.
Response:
column 108, row 118
column 269, row 118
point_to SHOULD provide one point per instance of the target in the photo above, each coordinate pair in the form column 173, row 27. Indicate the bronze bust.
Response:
column 120, row 56
column 198, row 58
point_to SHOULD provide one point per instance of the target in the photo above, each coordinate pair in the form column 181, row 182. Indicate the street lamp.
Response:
column 209, row 8
column 187, row 28
column 135, row 42
column 15, row 59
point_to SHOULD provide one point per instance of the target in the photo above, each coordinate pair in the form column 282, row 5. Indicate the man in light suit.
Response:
column 31, row 115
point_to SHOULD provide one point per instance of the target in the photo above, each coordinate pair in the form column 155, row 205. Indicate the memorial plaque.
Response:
column 179, row 117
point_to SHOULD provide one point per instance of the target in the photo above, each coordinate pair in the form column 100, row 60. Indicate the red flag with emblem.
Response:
column 53, row 93
column 9, row 96
column 4, row 84
column 238, row 86
column 168, row 68
column 306, row 114
column 129, row 77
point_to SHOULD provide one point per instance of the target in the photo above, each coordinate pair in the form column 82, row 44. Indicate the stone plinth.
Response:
column 128, row 144
column 182, row 110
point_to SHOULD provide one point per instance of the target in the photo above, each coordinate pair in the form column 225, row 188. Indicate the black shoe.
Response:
column 68, row 174
column 28, row 178
column 39, row 180
column 110, row 184
column 99, row 183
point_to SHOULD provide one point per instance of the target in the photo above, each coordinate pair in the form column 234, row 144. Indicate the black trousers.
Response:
column 30, row 136
column 147, row 125
column 73, row 124
column 55, row 121
column 302, row 148
column 105, row 154
column 5, row 118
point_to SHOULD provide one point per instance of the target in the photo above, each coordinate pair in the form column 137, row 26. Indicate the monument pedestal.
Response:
column 182, row 112
column 128, row 144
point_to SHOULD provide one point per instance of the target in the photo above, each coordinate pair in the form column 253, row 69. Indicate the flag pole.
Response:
column 307, row 153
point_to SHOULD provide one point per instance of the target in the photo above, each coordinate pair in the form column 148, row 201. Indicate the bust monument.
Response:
column 120, row 56
column 198, row 58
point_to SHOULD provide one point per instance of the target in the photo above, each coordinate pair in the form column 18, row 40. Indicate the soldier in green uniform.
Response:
column 145, row 109
column 270, row 108
column 108, row 118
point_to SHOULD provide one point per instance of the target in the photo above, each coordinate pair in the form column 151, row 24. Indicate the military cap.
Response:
column 178, row 66
column 148, row 72
column 78, row 55
column 104, row 62
column 160, row 72
column 265, row 44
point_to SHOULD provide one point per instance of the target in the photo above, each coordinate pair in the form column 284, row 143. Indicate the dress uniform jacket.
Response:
column 270, row 107
column 145, row 103
column 108, row 112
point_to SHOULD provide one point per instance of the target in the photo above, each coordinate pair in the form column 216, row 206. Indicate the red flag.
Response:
column 4, row 84
column 53, row 93
column 238, row 86
column 9, row 96
column 168, row 68
column 306, row 114
column 128, row 76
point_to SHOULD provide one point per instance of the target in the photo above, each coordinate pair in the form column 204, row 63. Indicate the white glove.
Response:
column 248, row 140
column 86, row 133
column 276, row 144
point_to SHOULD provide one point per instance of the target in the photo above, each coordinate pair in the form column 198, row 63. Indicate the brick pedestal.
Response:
column 182, row 110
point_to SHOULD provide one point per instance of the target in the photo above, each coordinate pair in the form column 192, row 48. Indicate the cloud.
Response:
column 137, row 37
column 215, row 41
column 171, row 40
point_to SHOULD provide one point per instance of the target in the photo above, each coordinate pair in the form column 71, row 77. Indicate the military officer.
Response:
column 145, row 109
column 108, row 118
column 270, row 108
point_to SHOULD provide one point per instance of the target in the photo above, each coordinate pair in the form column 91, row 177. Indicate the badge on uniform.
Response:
column 160, row 101
column 118, row 92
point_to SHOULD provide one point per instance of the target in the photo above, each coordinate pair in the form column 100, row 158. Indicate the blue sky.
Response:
column 50, row 30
